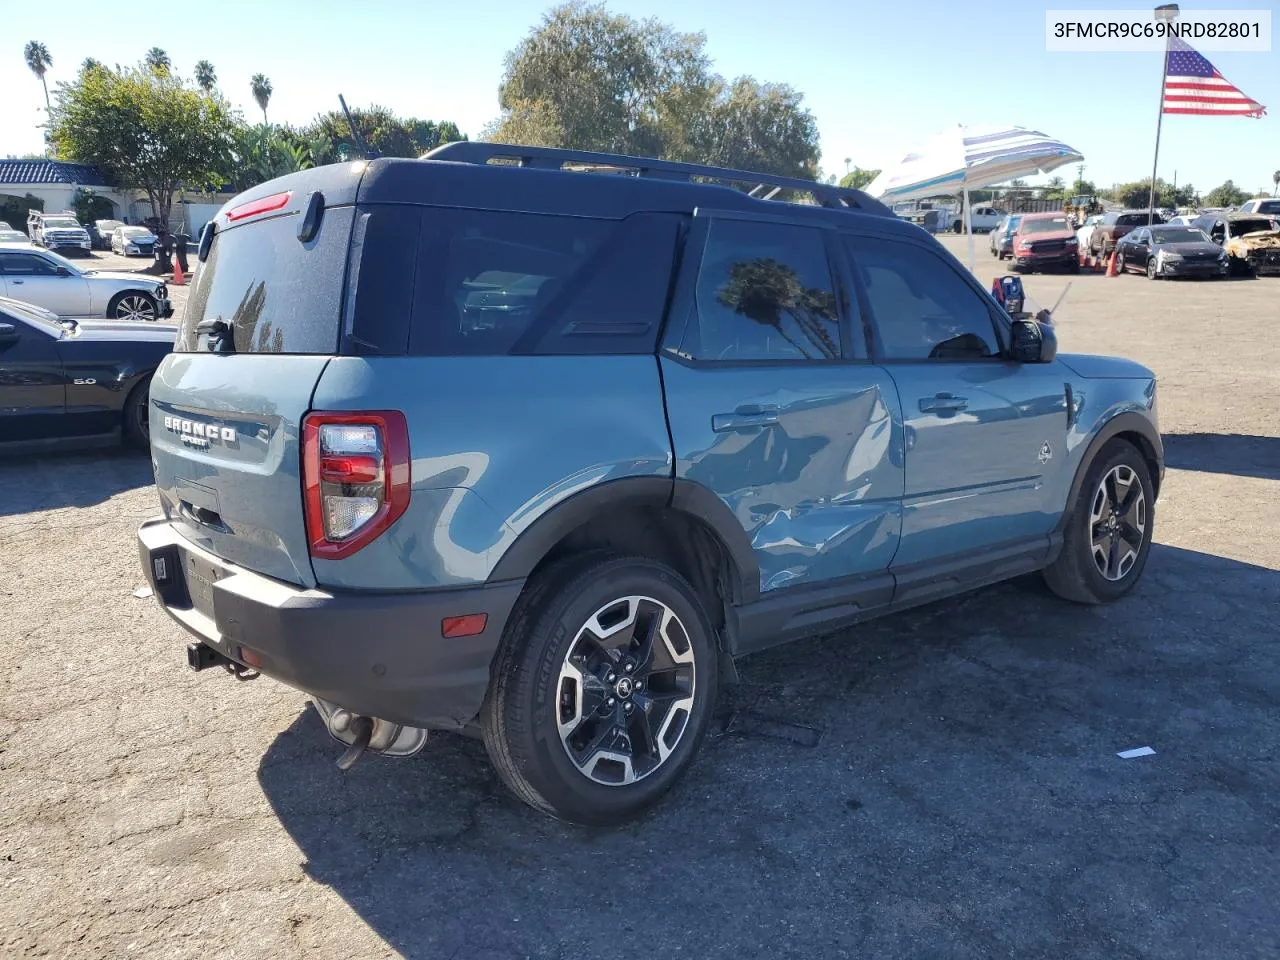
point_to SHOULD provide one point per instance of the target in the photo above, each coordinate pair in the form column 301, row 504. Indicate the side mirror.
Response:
column 8, row 333
column 62, row 272
column 1034, row 342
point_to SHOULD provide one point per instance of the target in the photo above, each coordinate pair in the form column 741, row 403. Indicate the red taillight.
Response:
column 355, row 478
column 255, row 207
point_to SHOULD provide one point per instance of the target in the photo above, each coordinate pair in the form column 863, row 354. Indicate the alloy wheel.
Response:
column 135, row 307
column 625, row 691
column 1152, row 272
column 1117, row 522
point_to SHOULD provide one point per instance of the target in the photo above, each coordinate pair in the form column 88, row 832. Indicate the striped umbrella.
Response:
column 966, row 158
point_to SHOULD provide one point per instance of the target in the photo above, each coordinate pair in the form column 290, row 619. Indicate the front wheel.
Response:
column 133, row 305
column 1108, row 534
column 1153, row 269
column 602, row 688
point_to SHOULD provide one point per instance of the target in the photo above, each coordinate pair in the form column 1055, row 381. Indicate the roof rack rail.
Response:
column 763, row 186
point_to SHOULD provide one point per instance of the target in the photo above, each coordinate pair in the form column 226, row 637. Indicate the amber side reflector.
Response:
column 255, row 207
column 468, row 626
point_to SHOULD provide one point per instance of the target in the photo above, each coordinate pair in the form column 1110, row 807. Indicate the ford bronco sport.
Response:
column 498, row 441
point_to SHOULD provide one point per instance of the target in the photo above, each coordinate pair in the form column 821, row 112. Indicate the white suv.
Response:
column 49, row 281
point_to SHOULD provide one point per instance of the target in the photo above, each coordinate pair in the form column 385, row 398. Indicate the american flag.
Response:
column 1193, row 85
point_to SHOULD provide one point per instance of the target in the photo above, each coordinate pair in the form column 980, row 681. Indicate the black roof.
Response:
column 542, row 180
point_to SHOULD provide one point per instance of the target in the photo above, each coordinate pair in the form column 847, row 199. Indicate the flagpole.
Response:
column 1167, row 13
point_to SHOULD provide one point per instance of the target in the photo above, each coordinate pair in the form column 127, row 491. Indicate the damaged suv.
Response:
column 518, row 446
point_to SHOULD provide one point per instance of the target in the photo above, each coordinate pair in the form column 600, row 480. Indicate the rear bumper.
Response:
column 377, row 654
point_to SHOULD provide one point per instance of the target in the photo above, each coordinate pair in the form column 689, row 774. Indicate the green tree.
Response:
column 590, row 79
column 206, row 76
column 38, row 62
column 144, row 129
column 89, row 63
column 330, row 141
column 158, row 61
column 263, row 152
column 260, row 87
column 1055, row 189
column 857, row 178
column 1225, row 195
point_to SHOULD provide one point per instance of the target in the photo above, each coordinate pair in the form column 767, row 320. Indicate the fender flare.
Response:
column 1126, row 422
column 531, row 546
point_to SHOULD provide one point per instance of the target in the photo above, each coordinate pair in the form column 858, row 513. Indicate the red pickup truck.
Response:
column 1045, row 240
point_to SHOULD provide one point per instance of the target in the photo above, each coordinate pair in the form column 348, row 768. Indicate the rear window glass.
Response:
column 500, row 282
column 1240, row 227
column 1134, row 220
column 279, row 295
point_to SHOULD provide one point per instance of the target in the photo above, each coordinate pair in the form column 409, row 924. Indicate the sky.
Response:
column 879, row 77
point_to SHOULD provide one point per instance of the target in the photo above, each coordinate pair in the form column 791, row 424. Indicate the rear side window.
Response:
column 491, row 282
column 764, row 293
column 279, row 295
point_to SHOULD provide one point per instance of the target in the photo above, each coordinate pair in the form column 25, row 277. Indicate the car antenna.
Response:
column 355, row 134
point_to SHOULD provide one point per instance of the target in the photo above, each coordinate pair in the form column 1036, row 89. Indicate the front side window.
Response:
column 921, row 307
column 764, row 292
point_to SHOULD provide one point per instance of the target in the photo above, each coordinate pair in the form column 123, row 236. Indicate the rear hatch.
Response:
column 227, row 406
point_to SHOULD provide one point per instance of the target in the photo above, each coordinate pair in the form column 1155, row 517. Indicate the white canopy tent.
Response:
column 966, row 158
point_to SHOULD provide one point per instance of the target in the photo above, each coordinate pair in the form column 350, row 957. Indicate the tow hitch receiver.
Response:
column 201, row 656
column 361, row 735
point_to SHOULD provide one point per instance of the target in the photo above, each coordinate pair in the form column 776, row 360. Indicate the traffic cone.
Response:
column 179, row 278
column 1111, row 266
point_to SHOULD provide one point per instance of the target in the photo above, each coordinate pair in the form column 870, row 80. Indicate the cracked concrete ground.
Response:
column 939, row 784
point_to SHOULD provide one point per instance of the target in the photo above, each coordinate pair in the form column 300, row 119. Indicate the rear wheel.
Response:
column 602, row 688
column 133, row 305
column 1108, row 535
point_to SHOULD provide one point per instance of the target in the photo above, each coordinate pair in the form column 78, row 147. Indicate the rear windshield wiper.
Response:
column 219, row 333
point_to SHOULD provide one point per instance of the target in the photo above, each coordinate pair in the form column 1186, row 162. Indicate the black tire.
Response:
column 1076, row 574
column 1073, row 266
column 1120, row 264
column 136, row 426
column 133, row 305
column 522, row 715
column 1152, row 269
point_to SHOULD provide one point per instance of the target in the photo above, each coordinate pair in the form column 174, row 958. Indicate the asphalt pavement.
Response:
column 943, row 783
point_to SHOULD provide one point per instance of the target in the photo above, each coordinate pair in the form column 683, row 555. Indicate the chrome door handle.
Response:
column 942, row 402
column 744, row 418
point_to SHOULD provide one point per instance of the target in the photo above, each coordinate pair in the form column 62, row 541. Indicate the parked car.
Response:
column 58, row 231
column 1268, row 205
column 1002, row 236
column 1170, row 251
column 49, row 281
column 133, row 241
column 1181, row 220
column 556, row 525
column 69, row 382
column 1114, row 225
column 1045, row 241
column 8, row 235
column 100, row 233
column 981, row 218
column 1251, row 240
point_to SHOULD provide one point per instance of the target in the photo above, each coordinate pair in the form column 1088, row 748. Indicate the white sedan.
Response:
column 8, row 235
column 132, row 241
column 49, row 281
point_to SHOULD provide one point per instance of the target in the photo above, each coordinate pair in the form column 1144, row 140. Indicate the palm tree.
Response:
column 38, row 60
column 1275, row 183
column 261, row 88
column 205, row 76
column 158, row 60
column 90, row 64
